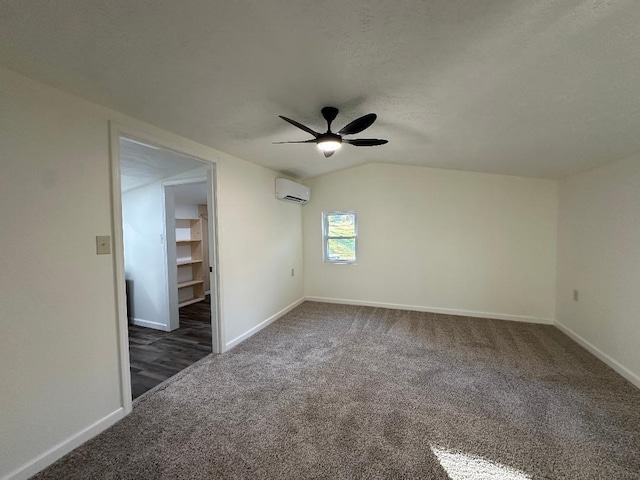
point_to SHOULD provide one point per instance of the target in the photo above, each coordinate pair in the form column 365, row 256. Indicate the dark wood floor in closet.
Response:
column 155, row 355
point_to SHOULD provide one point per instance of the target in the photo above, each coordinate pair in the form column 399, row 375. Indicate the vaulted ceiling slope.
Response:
column 539, row 88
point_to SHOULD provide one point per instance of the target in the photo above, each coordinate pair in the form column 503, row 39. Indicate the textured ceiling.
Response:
column 142, row 164
column 539, row 88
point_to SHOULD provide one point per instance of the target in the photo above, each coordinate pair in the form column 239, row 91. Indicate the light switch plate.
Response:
column 103, row 245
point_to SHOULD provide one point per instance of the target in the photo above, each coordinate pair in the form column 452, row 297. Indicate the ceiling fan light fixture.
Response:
column 329, row 142
column 329, row 145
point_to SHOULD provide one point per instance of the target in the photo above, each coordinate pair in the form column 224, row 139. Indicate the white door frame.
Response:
column 168, row 142
column 169, row 236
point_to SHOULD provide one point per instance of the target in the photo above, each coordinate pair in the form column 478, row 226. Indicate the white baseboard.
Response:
column 263, row 324
column 140, row 322
column 445, row 311
column 617, row 366
column 60, row 450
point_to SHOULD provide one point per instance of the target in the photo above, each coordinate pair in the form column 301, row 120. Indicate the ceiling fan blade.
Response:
column 329, row 114
column 358, row 125
column 328, row 154
column 313, row 140
column 365, row 142
column 300, row 126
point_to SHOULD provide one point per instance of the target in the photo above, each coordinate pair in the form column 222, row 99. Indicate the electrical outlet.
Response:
column 575, row 295
column 293, row 272
column 103, row 245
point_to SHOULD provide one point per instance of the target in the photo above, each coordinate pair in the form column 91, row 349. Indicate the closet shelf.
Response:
column 188, row 262
column 190, row 301
column 190, row 258
column 190, row 283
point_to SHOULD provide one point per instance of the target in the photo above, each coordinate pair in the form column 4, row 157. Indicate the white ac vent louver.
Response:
column 291, row 191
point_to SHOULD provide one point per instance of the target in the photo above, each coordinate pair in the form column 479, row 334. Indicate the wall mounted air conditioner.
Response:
column 291, row 191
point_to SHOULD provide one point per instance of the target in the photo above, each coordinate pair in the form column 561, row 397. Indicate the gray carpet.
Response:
column 334, row 391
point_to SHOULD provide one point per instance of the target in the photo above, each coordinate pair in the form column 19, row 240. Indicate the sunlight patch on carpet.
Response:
column 460, row 466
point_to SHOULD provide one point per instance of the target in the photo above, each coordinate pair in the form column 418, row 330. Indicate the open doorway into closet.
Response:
column 169, row 247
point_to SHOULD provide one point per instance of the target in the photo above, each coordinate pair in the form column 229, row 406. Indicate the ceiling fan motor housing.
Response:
column 329, row 137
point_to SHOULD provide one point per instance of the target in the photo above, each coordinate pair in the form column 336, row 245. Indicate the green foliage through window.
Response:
column 340, row 235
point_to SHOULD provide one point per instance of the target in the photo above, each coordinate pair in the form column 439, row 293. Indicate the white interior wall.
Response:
column 187, row 210
column 145, row 257
column 438, row 240
column 59, row 338
column 599, row 255
column 267, row 243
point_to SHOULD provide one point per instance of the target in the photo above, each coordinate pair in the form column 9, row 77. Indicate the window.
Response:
column 340, row 237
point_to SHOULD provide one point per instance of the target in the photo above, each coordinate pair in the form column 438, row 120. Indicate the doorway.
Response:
column 168, row 245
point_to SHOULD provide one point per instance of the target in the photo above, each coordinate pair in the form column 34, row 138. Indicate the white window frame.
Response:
column 326, row 237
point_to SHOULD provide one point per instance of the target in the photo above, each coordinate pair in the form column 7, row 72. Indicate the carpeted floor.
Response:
column 335, row 391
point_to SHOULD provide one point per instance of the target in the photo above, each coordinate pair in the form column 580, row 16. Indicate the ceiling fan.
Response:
column 329, row 142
